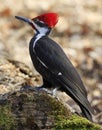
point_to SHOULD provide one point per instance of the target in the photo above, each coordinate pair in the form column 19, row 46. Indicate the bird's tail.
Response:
column 77, row 95
column 86, row 113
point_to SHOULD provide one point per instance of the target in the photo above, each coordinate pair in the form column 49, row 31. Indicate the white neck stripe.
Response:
column 37, row 38
column 40, row 32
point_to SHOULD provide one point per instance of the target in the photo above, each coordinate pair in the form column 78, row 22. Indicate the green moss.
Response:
column 26, row 106
column 57, row 108
column 74, row 122
column 64, row 120
column 6, row 118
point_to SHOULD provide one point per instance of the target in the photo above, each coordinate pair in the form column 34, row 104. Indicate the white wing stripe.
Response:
column 41, row 62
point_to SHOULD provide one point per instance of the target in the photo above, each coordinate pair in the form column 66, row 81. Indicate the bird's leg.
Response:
column 43, row 87
column 46, row 84
column 54, row 91
column 51, row 92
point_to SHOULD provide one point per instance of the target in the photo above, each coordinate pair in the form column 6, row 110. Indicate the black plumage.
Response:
column 51, row 62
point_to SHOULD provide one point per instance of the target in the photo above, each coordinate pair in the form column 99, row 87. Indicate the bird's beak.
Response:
column 29, row 21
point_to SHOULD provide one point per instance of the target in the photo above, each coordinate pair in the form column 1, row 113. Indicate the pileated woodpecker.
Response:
column 51, row 62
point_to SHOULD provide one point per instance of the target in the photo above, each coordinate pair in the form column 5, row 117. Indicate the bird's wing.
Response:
column 52, row 56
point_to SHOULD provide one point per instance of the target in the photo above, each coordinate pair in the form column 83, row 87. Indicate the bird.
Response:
column 50, row 60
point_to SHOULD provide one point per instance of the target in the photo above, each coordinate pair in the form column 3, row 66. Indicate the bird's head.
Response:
column 44, row 22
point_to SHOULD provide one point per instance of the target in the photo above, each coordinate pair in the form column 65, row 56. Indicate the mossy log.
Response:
column 33, row 110
column 29, row 110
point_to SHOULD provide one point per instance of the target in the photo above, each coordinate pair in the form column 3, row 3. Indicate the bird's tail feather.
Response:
column 74, row 91
column 86, row 113
column 80, row 99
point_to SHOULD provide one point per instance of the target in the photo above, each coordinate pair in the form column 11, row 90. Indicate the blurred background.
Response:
column 79, row 32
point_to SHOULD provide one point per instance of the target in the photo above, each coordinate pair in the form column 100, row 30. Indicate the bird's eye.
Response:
column 36, row 20
column 39, row 22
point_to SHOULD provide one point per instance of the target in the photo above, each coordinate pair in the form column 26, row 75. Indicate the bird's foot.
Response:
column 24, row 88
column 54, row 91
column 37, row 88
column 41, row 88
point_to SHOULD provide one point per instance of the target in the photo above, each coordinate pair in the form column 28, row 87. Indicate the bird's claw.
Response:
column 40, row 88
